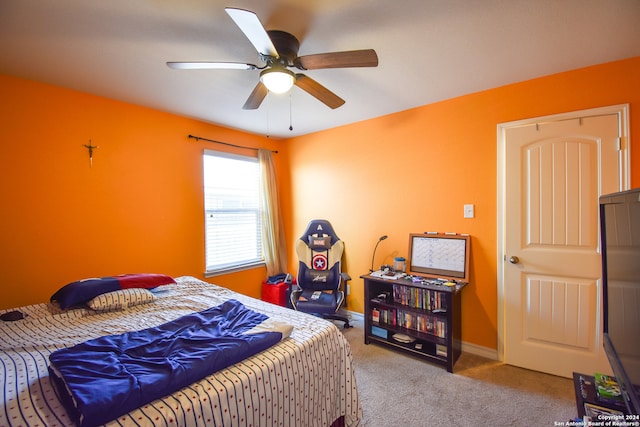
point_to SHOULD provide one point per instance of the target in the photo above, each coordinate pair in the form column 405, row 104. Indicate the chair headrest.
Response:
column 319, row 243
column 320, row 228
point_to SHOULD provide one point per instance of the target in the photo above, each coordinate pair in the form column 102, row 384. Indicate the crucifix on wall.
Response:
column 90, row 147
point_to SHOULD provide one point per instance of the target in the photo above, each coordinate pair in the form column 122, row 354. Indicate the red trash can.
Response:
column 275, row 293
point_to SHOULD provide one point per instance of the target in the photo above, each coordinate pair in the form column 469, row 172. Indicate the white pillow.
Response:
column 119, row 300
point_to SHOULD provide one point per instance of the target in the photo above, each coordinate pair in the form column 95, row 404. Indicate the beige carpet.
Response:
column 402, row 391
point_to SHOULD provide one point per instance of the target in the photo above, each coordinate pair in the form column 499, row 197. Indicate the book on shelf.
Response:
column 596, row 412
column 421, row 298
column 607, row 388
column 379, row 332
column 419, row 322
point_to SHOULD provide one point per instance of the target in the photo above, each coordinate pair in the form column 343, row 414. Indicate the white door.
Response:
column 553, row 171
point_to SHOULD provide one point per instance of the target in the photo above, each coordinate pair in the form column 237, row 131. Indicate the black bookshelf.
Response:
column 420, row 319
column 585, row 389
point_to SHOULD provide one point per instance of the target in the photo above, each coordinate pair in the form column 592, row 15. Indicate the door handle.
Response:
column 514, row 259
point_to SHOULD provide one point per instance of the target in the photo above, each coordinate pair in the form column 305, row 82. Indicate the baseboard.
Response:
column 355, row 316
column 478, row 350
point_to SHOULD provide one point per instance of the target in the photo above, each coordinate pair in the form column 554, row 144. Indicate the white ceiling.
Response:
column 429, row 50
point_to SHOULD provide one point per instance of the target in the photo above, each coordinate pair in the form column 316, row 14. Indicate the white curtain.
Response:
column 273, row 240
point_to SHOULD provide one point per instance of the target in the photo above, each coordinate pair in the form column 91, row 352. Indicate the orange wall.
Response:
column 139, row 209
column 413, row 171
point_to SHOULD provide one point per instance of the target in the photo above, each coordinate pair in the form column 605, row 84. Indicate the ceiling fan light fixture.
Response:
column 277, row 79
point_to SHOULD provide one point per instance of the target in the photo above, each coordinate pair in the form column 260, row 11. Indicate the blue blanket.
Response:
column 106, row 377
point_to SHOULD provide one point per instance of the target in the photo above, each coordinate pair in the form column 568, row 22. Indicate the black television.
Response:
column 620, row 248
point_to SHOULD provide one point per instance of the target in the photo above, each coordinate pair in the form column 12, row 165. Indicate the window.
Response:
column 232, row 212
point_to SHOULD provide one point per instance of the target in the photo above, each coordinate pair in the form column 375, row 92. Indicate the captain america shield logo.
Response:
column 319, row 262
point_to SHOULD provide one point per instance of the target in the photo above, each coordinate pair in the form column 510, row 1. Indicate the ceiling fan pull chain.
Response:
column 268, row 127
column 290, row 113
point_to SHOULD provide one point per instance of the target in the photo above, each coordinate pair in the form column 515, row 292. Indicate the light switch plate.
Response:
column 469, row 211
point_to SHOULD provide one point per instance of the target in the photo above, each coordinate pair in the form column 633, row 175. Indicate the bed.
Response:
column 306, row 379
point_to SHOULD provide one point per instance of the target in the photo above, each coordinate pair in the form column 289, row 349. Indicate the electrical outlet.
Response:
column 469, row 211
column 348, row 289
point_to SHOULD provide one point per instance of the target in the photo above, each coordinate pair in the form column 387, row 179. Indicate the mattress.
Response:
column 304, row 380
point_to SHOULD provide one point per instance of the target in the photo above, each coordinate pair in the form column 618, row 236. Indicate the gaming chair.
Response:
column 321, row 282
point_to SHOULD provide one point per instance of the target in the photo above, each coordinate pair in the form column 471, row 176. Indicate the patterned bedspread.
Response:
column 305, row 380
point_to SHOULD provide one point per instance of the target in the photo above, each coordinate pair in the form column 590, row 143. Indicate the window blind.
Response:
column 232, row 211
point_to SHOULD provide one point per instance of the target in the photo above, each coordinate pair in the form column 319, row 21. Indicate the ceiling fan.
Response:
column 278, row 50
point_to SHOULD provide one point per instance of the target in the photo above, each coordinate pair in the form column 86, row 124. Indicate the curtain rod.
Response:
column 198, row 138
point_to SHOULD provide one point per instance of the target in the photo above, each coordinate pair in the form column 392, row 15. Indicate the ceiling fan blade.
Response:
column 346, row 59
column 206, row 65
column 257, row 96
column 251, row 26
column 315, row 89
